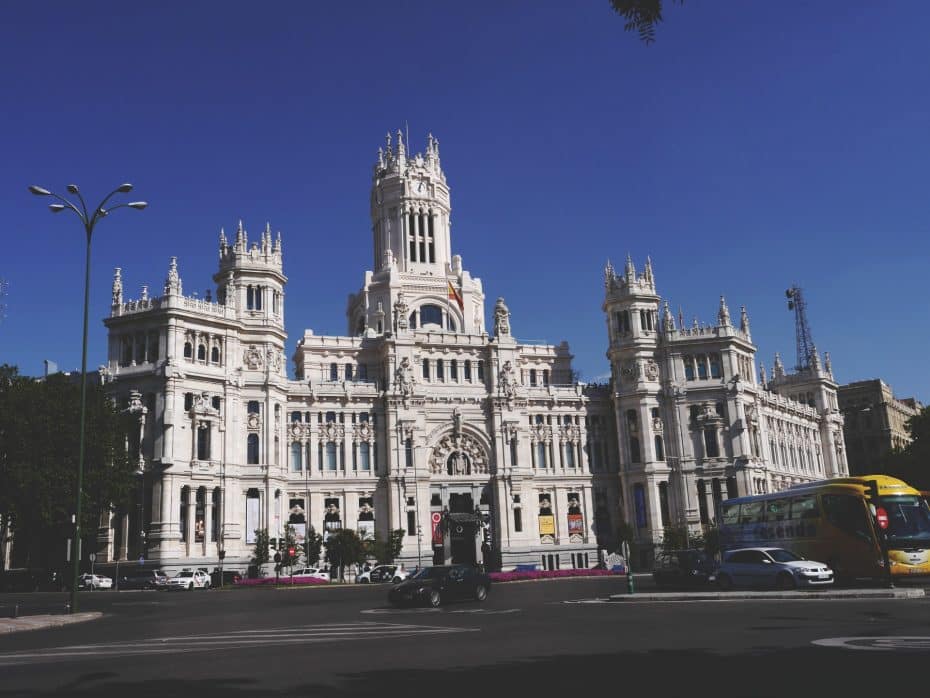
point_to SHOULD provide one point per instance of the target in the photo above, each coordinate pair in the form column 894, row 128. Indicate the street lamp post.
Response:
column 89, row 221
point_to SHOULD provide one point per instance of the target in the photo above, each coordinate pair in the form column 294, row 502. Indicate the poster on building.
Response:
column 332, row 519
column 251, row 519
column 366, row 530
column 436, row 523
column 576, row 528
column 547, row 529
column 297, row 519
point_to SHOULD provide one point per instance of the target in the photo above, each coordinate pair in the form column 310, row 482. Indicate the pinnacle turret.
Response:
column 744, row 322
column 117, row 286
column 669, row 319
column 723, row 315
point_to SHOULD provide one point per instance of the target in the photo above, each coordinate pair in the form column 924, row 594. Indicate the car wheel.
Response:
column 190, row 587
column 363, row 581
column 724, row 582
column 481, row 592
column 785, row 582
column 397, row 580
column 435, row 599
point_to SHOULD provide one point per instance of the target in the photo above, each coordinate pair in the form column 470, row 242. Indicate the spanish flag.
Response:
column 456, row 296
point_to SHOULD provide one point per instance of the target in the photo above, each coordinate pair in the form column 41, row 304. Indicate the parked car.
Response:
column 143, row 579
column 683, row 568
column 313, row 572
column 23, row 579
column 94, row 581
column 383, row 573
column 230, row 577
column 771, row 567
column 439, row 584
column 190, row 580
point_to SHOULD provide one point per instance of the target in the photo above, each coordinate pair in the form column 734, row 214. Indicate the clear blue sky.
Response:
column 755, row 145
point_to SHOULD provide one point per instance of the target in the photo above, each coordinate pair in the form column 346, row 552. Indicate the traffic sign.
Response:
column 882, row 517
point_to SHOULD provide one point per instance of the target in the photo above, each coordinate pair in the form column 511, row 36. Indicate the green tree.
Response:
column 386, row 551
column 642, row 16
column 911, row 463
column 290, row 541
column 344, row 547
column 260, row 552
column 39, row 446
column 313, row 546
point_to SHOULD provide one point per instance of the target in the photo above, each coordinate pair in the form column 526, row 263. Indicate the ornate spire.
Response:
column 763, row 376
column 647, row 272
column 669, row 320
column 173, row 282
column 723, row 315
column 223, row 242
column 815, row 359
column 145, row 292
column 401, row 148
column 277, row 244
column 629, row 271
column 744, row 322
column 779, row 369
column 608, row 274
column 240, row 236
column 117, row 286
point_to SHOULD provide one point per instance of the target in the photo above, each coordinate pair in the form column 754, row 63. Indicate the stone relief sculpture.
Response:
column 501, row 319
column 403, row 380
column 508, row 382
column 401, row 311
column 252, row 358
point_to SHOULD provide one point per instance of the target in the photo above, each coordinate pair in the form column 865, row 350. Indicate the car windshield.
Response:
column 780, row 555
column 185, row 574
column 431, row 573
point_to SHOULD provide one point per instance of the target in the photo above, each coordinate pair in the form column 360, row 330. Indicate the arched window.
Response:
column 252, row 448
column 188, row 350
column 296, row 455
column 215, row 355
column 430, row 315
column 715, row 366
column 201, row 352
column 660, row 449
column 689, row 367
column 364, row 456
column 331, row 455
column 440, row 370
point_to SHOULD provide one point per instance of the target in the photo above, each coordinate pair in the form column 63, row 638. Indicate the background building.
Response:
column 876, row 422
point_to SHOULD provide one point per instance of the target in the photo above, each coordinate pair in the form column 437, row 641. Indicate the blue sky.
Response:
column 753, row 146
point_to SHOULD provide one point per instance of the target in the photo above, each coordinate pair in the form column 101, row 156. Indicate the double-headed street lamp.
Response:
column 89, row 220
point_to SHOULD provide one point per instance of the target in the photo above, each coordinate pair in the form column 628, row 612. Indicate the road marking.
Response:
column 878, row 644
column 239, row 639
column 486, row 612
column 389, row 611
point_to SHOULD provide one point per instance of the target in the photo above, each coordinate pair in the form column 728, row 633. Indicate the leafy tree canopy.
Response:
column 642, row 16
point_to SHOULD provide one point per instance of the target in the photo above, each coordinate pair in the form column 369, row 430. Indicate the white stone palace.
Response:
column 425, row 418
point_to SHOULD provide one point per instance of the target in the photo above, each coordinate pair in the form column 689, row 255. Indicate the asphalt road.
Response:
column 554, row 637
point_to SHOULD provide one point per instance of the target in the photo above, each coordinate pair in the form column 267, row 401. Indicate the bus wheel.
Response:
column 785, row 582
column 724, row 582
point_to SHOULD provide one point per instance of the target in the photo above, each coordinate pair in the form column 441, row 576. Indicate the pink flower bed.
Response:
column 265, row 581
column 549, row 574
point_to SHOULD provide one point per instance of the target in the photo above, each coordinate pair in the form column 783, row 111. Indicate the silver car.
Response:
column 771, row 567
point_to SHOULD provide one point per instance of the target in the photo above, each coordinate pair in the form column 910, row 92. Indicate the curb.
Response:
column 770, row 595
column 39, row 622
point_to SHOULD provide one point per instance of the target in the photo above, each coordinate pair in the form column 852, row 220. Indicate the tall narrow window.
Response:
column 454, row 370
column 215, row 355
column 296, row 457
column 702, row 501
column 660, row 449
column 663, row 504
column 203, row 442
column 715, row 366
column 408, row 452
column 541, row 454
column 153, row 347
column 250, row 298
column 468, row 371
column 253, row 407
column 518, row 520
column 348, row 372
column 188, row 351
column 334, row 371
column 440, row 370
column 331, row 455
column 634, row 450
column 689, row 367
column 481, row 370
column 710, row 443
column 639, row 505
column 702, row 366
column 426, row 369
column 569, row 454
column 252, row 448
column 533, row 377
column 364, row 456
column 201, row 352
column 513, row 452
column 545, row 376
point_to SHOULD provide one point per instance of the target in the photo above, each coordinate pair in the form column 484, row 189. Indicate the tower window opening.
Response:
column 188, row 350
column 440, row 370
column 426, row 369
column 334, row 371
column 468, row 371
column 430, row 314
column 702, row 366
column 715, row 366
column 480, row 370
column 533, row 377
column 453, row 370
column 215, row 355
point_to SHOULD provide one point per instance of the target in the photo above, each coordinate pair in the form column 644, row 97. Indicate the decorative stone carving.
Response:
column 628, row 371
column 508, row 382
column 651, row 370
column 253, row 421
column 117, row 286
column 458, row 455
column 501, row 319
column 252, row 357
column 657, row 425
column 331, row 431
column 363, row 432
column 401, row 311
column 404, row 380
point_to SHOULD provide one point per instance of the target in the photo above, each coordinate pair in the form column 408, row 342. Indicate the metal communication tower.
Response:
column 802, row 330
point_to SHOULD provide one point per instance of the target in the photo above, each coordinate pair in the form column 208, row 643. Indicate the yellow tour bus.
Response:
column 837, row 521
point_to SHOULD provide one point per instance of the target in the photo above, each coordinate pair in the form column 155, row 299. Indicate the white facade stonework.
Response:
column 424, row 410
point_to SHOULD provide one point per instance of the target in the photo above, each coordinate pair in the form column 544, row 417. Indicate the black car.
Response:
column 230, row 577
column 433, row 586
column 143, row 579
column 683, row 569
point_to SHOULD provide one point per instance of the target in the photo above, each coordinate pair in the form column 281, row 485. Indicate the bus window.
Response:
column 730, row 514
column 804, row 507
column 908, row 520
column 777, row 509
column 848, row 514
column 751, row 512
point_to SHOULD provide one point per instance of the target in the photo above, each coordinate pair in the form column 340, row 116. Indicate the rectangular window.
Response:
column 481, row 370
column 334, row 372
column 518, row 520
column 453, row 370
column 533, row 377
column 364, row 451
column 411, row 522
column 203, row 443
column 468, row 371
column 331, row 456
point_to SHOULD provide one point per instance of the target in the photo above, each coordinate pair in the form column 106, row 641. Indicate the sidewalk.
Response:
column 12, row 625
column 841, row 594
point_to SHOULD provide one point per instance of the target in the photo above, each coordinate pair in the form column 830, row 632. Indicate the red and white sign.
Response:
column 882, row 517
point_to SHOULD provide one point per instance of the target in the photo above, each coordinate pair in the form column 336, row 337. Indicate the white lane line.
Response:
column 363, row 631
column 877, row 644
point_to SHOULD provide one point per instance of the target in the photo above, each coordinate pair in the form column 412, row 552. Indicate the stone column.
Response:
column 123, row 552
column 587, row 510
column 191, row 514
column 208, row 519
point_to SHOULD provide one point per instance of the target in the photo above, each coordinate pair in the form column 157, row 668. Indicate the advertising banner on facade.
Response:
column 547, row 528
column 366, row 530
column 576, row 528
column 436, row 524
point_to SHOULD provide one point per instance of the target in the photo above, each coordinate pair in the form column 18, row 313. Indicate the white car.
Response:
column 771, row 567
column 190, row 580
column 383, row 573
column 95, row 581
column 313, row 572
